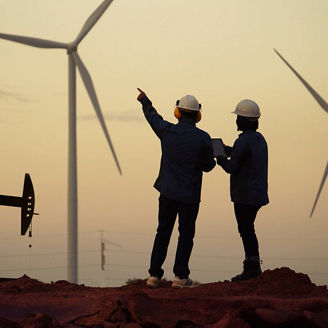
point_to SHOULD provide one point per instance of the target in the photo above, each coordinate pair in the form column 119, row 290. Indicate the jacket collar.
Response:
column 187, row 121
column 247, row 132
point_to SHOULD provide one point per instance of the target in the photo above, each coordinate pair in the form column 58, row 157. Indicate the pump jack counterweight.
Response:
column 26, row 203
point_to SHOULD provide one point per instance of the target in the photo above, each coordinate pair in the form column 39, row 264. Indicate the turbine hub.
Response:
column 71, row 47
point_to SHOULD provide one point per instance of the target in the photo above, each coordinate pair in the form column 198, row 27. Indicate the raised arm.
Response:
column 156, row 121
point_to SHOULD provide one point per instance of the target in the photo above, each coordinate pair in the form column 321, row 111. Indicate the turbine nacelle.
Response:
column 72, row 50
column 71, row 47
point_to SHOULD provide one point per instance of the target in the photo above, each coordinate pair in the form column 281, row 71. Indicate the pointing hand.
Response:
column 141, row 95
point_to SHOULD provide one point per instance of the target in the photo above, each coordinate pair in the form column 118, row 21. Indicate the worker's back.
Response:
column 186, row 153
column 249, row 183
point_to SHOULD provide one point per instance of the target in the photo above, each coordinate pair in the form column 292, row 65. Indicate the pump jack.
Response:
column 26, row 203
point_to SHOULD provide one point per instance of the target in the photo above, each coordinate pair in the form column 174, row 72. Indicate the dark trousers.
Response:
column 167, row 213
column 245, row 216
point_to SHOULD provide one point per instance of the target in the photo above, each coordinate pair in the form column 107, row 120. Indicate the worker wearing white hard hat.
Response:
column 186, row 153
column 248, row 169
column 247, row 108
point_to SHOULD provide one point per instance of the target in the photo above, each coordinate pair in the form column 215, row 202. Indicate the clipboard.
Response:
column 218, row 147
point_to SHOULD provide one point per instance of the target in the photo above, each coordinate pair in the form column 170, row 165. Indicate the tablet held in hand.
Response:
column 218, row 147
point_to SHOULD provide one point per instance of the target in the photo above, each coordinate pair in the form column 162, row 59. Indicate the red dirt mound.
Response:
column 277, row 298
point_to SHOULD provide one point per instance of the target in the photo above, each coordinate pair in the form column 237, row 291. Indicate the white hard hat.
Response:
column 189, row 102
column 247, row 108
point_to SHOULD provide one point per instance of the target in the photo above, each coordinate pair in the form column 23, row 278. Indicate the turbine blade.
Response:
column 86, row 78
column 323, row 104
column 33, row 42
column 324, row 177
column 92, row 20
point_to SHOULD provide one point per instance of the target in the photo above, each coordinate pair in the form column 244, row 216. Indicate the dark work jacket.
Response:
column 248, row 168
column 186, row 153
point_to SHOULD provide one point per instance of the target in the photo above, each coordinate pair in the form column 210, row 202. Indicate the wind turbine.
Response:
column 73, row 61
column 324, row 105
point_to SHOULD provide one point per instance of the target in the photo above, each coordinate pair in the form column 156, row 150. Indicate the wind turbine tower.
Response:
column 324, row 105
column 73, row 61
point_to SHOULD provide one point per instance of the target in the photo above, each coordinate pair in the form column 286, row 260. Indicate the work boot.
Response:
column 252, row 268
column 184, row 283
column 153, row 282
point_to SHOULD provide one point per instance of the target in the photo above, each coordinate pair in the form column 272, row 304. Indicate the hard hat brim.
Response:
column 237, row 113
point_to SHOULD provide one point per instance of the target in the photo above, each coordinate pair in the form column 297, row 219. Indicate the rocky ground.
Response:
column 278, row 298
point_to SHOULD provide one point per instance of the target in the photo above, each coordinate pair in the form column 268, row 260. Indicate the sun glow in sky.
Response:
column 219, row 51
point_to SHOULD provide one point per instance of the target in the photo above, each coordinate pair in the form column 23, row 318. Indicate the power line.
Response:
column 46, row 254
column 47, row 268
column 169, row 254
column 224, row 257
column 136, row 233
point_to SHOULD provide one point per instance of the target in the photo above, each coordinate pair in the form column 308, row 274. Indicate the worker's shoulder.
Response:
column 258, row 136
column 202, row 133
column 250, row 135
column 251, row 138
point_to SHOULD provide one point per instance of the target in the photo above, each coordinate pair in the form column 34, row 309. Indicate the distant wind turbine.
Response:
column 73, row 61
column 324, row 105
